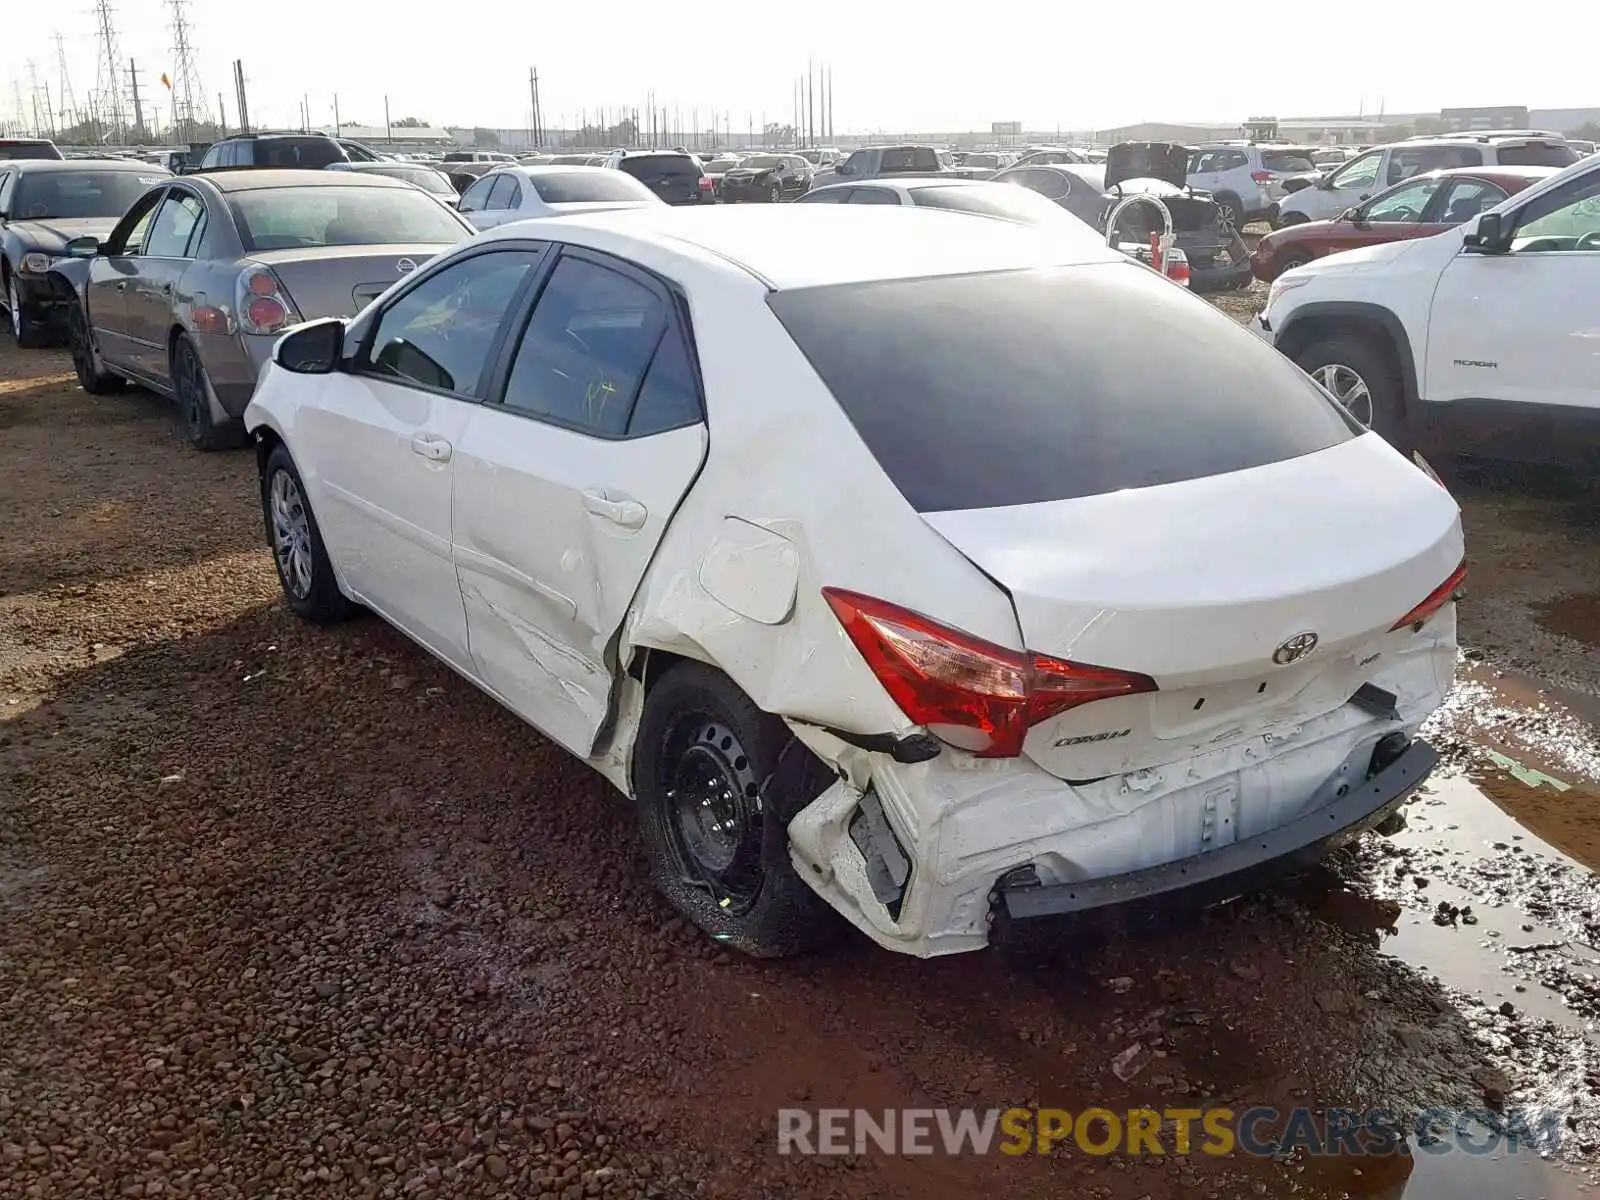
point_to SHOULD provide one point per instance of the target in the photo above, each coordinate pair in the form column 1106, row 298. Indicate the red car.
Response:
column 1418, row 207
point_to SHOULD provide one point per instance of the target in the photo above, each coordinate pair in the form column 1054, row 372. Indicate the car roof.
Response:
column 250, row 181
column 1493, row 171
column 812, row 245
column 87, row 164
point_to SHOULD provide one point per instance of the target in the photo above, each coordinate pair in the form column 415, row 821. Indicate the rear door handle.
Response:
column 432, row 448
column 166, row 289
column 629, row 514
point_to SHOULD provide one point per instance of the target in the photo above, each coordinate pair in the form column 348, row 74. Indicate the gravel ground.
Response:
column 294, row 912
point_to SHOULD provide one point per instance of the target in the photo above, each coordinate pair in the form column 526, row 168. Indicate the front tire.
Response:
column 1364, row 380
column 298, row 552
column 716, row 786
column 26, row 329
column 86, row 359
column 193, row 396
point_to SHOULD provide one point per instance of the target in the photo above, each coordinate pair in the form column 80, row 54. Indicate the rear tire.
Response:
column 298, row 552
column 714, row 819
column 86, row 359
column 1333, row 362
column 193, row 396
column 1291, row 259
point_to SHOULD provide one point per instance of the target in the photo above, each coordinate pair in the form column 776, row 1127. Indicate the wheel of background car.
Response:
column 775, row 193
column 1231, row 211
column 1588, row 241
column 1289, row 259
column 25, row 328
column 192, row 394
column 85, row 359
column 716, row 781
column 1362, row 378
column 309, row 586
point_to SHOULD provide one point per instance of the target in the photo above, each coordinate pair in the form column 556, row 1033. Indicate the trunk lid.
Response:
column 1166, row 161
column 339, row 281
column 1200, row 585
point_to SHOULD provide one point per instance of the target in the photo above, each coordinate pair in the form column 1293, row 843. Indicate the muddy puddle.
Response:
column 1576, row 617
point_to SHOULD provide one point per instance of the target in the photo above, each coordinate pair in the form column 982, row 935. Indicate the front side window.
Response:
column 1358, row 172
column 1468, row 198
column 338, row 215
column 586, row 348
column 1565, row 219
column 174, row 225
column 439, row 334
column 476, row 197
column 129, row 235
column 1029, row 386
column 1403, row 204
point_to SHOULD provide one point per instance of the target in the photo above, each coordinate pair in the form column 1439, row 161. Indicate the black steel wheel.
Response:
column 85, row 361
column 190, row 391
column 717, row 781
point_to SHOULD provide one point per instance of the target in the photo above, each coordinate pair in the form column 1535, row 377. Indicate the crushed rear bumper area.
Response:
column 1300, row 842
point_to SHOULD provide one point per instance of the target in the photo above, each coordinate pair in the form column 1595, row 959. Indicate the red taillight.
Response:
column 970, row 692
column 1262, row 176
column 263, row 306
column 1178, row 268
column 705, row 183
column 1437, row 599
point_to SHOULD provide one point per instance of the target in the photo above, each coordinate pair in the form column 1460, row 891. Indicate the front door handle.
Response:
column 166, row 289
column 434, row 449
column 630, row 514
column 122, row 285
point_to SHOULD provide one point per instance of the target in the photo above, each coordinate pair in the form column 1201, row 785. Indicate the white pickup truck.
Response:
column 1483, row 339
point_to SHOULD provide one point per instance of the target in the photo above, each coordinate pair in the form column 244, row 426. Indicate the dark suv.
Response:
column 675, row 176
column 313, row 151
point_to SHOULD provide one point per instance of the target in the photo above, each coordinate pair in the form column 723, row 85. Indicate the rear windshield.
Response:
column 312, row 153
column 1286, row 160
column 669, row 165
column 16, row 150
column 575, row 187
column 72, row 195
column 295, row 218
column 909, row 158
column 1537, row 154
column 425, row 178
column 1006, row 201
column 1019, row 387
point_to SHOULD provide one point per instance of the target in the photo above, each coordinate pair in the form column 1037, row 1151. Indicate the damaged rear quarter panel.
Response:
column 790, row 500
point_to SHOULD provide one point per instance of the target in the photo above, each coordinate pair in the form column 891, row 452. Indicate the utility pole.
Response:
column 188, row 95
column 109, row 83
column 67, row 104
column 305, row 112
column 337, row 128
column 241, row 99
column 811, row 106
column 138, row 107
column 388, row 130
column 537, row 133
column 222, row 116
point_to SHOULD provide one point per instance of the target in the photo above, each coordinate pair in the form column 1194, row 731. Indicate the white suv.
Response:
column 1247, row 181
column 1479, row 339
column 1384, row 166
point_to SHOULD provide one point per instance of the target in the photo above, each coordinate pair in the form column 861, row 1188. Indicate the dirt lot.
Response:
column 295, row 912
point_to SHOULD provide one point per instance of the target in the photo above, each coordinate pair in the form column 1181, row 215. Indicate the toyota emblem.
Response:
column 1295, row 648
column 405, row 266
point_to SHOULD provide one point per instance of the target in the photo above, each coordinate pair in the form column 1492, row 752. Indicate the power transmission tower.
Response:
column 108, row 83
column 67, row 103
column 185, row 76
column 138, row 130
column 39, row 125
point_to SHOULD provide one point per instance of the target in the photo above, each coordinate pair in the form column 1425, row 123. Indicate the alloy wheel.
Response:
column 1349, row 389
column 714, row 810
column 291, row 533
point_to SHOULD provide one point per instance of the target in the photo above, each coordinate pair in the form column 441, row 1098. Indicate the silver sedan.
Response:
column 519, row 193
column 191, row 289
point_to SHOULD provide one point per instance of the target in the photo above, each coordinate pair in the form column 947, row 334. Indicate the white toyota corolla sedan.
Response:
column 938, row 571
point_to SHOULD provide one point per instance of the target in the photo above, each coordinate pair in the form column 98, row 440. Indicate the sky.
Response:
column 896, row 68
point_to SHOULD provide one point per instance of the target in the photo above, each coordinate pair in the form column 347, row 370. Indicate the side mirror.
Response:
column 83, row 247
column 1487, row 236
column 313, row 349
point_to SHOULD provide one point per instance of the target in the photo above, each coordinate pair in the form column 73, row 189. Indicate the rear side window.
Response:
column 1537, row 154
column 28, row 149
column 1020, row 387
column 657, row 165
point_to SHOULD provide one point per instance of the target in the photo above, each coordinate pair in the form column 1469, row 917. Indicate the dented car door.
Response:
column 565, row 482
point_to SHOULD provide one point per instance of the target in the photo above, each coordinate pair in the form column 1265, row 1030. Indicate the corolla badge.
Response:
column 405, row 266
column 1295, row 648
